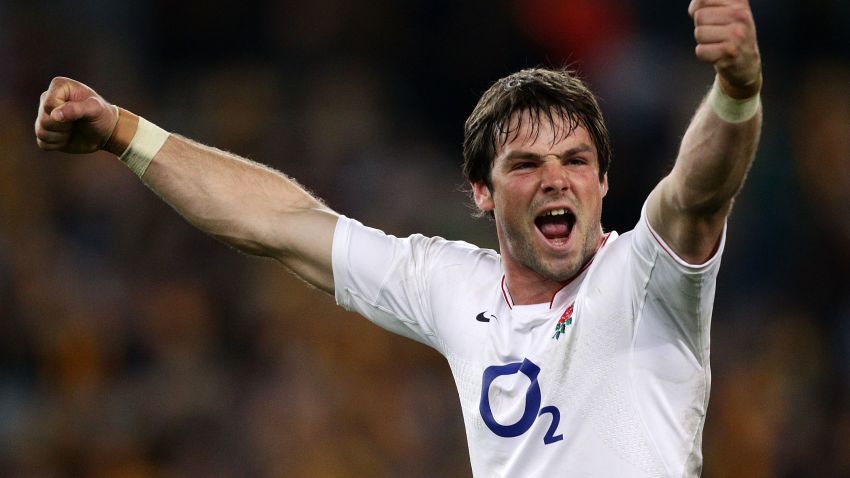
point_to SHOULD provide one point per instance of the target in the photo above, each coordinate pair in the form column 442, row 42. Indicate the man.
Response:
column 575, row 352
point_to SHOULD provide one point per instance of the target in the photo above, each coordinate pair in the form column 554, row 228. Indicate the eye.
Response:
column 576, row 161
column 523, row 165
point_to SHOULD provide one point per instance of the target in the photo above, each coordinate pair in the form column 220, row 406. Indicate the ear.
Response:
column 482, row 195
column 604, row 185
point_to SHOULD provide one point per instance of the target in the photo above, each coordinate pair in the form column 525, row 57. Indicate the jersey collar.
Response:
column 570, row 288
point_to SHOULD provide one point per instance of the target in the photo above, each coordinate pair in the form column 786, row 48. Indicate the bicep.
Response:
column 692, row 235
column 688, row 208
column 308, row 252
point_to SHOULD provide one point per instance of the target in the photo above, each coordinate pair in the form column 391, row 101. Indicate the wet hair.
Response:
column 555, row 96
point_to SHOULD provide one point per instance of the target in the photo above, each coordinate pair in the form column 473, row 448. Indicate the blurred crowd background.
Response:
column 133, row 346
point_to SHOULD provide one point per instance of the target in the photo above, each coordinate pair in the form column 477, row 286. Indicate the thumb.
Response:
column 89, row 109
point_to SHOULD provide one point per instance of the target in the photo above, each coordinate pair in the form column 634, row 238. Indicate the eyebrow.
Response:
column 520, row 154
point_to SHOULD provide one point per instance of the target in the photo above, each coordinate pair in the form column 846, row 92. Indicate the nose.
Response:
column 553, row 176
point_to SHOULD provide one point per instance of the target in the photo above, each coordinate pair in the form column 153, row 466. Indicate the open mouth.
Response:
column 556, row 225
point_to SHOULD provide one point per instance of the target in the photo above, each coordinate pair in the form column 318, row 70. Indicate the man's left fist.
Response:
column 726, row 37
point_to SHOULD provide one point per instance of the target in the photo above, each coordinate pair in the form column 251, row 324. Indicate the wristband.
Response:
column 135, row 141
column 146, row 143
column 732, row 110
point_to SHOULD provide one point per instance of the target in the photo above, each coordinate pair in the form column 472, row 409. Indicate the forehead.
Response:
column 540, row 133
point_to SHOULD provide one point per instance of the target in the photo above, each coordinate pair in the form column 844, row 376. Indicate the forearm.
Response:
column 245, row 204
column 713, row 161
column 689, row 207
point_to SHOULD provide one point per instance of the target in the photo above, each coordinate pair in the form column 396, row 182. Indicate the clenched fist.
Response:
column 725, row 33
column 73, row 118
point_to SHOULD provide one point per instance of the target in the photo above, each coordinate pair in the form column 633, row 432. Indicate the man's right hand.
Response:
column 73, row 118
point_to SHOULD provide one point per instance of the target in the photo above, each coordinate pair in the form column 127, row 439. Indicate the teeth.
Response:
column 556, row 212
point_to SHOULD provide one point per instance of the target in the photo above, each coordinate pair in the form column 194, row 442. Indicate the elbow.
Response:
column 701, row 196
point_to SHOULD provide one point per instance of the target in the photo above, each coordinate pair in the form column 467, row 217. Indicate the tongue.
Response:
column 554, row 230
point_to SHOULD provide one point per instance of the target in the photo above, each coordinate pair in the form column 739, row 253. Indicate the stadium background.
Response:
column 133, row 346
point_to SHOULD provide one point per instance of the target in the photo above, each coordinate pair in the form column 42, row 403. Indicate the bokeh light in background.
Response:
column 134, row 346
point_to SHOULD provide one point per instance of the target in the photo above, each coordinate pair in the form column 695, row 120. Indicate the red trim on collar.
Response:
column 506, row 293
column 584, row 268
column 552, row 301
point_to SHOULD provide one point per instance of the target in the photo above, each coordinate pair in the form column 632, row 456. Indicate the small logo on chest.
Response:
column 484, row 318
column 565, row 320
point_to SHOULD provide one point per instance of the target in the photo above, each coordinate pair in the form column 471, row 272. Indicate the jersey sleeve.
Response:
column 678, row 296
column 385, row 278
column 670, row 371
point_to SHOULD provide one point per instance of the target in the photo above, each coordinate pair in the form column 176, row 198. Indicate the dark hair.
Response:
column 545, row 95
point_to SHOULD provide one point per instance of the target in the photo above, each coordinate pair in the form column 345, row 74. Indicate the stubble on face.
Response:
column 524, row 245
column 559, row 269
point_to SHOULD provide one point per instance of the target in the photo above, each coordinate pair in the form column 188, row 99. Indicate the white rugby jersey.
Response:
column 609, row 379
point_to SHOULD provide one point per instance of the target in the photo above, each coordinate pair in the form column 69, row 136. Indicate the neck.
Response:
column 526, row 286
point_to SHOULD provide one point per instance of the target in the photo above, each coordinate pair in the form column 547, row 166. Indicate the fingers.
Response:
column 738, row 20
column 725, row 34
column 720, row 15
column 63, row 91
column 60, row 91
column 699, row 4
column 72, row 117
column 722, row 27
column 714, row 33
column 49, row 133
column 52, row 144
column 715, row 52
column 715, row 42
column 46, row 126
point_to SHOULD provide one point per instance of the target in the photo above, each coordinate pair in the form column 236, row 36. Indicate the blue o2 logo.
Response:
column 532, row 403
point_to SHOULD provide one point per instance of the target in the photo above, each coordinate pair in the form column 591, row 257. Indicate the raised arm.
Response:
column 689, row 207
column 245, row 204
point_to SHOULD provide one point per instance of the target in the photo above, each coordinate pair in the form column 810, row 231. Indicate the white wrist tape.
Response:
column 732, row 110
column 143, row 147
